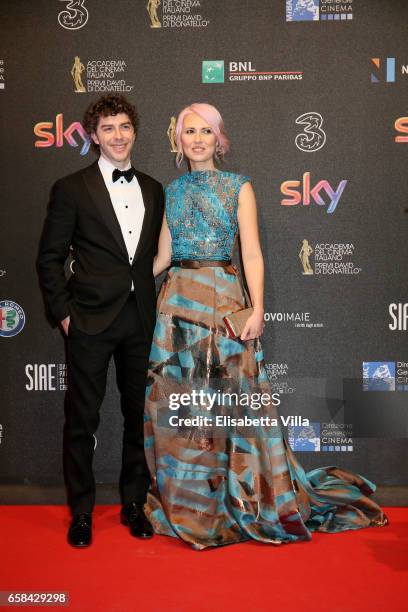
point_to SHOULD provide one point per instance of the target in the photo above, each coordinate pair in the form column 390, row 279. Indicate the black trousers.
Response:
column 88, row 358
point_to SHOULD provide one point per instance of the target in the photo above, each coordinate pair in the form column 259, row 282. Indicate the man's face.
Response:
column 115, row 136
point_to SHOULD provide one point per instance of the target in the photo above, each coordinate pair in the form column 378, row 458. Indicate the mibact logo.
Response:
column 306, row 193
column 378, row 376
column 304, row 438
column 51, row 136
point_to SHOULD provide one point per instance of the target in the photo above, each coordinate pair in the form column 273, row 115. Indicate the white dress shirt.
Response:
column 127, row 202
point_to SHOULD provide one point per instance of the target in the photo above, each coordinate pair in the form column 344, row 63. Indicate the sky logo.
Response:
column 44, row 130
column 401, row 126
column 306, row 193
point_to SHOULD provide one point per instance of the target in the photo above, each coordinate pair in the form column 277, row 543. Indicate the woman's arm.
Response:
column 163, row 257
column 252, row 259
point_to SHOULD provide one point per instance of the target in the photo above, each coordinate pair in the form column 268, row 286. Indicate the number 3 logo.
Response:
column 313, row 137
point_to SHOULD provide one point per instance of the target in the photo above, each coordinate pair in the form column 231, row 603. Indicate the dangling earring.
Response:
column 218, row 152
column 179, row 158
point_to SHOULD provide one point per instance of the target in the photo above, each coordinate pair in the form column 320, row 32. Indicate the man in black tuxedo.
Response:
column 110, row 215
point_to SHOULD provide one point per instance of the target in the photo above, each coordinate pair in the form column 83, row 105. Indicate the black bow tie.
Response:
column 128, row 174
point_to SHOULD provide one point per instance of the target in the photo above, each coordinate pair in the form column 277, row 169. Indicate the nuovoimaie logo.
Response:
column 378, row 376
column 304, row 438
column 377, row 76
column 213, row 71
column 387, row 70
column 12, row 318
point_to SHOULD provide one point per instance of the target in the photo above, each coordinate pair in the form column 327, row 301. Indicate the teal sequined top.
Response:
column 201, row 212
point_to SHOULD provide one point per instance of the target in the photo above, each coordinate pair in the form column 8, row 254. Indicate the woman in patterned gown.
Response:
column 219, row 485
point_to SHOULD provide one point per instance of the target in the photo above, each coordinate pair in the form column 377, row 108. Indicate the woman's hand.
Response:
column 163, row 257
column 254, row 326
column 252, row 259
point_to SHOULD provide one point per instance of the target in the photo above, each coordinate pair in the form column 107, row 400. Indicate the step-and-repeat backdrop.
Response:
column 314, row 97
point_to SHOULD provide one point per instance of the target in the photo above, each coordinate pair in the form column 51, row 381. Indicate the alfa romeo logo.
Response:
column 12, row 318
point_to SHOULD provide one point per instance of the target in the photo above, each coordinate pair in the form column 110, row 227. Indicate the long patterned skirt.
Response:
column 219, row 485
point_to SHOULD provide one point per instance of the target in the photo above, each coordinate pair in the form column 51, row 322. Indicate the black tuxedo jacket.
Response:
column 81, row 215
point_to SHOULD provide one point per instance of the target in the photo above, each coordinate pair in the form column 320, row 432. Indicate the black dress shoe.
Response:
column 133, row 516
column 80, row 531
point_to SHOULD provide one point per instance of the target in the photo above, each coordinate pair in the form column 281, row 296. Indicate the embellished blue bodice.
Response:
column 201, row 212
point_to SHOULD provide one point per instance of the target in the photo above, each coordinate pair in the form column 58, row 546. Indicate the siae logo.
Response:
column 44, row 131
column 399, row 316
column 46, row 376
column 306, row 193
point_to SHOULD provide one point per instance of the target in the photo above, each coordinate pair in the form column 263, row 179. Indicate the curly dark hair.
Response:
column 105, row 106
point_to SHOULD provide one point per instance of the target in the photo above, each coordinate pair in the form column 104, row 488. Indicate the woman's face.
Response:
column 198, row 141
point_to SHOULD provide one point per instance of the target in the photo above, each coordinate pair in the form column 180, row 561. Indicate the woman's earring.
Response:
column 179, row 158
column 218, row 151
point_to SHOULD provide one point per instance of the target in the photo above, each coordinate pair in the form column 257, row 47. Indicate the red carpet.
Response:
column 354, row 571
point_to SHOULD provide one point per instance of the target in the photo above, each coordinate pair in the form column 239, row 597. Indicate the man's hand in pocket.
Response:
column 65, row 325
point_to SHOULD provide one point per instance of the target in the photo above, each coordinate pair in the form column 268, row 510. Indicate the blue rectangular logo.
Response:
column 303, row 438
column 302, row 10
column 378, row 376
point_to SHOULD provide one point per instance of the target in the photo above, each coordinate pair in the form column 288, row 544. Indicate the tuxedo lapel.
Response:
column 100, row 195
column 148, row 200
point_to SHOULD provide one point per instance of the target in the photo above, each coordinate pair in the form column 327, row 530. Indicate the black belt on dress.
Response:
column 201, row 263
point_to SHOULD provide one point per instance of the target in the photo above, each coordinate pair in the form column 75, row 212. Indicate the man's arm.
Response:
column 54, row 249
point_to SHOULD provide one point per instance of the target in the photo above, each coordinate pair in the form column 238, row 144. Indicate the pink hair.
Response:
column 211, row 115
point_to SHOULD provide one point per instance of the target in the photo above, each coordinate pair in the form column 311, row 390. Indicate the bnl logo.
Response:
column 386, row 68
